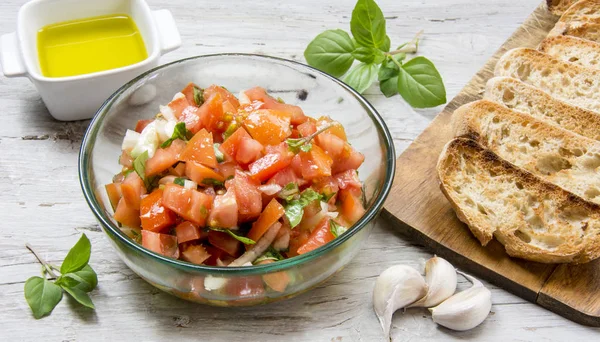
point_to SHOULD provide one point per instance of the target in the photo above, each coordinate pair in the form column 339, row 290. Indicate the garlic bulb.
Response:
column 395, row 288
column 464, row 310
column 440, row 277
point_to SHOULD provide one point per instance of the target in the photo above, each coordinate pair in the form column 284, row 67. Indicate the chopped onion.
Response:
column 148, row 141
column 130, row 140
column 167, row 180
column 243, row 98
column 188, row 184
column 212, row 283
column 178, row 96
column 270, row 189
column 167, row 112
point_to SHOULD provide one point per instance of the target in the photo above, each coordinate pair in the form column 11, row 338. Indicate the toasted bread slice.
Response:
column 571, row 83
column 533, row 219
column 589, row 31
column 519, row 96
column 583, row 52
column 584, row 11
column 558, row 7
column 551, row 153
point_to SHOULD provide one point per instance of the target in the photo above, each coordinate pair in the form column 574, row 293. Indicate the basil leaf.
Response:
column 306, row 147
column 361, row 76
column 289, row 191
column 139, row 165
column 212, row 182
column 386, row 45
column 179, row 181
column 331, row 52
column 67, row 281
column 218, row 154
column 198, row 96
column 85, row 279
column 368, row 25
column 388, row 75
column 270, row 254
column 368, row 55
column 294, row 210
column 80, row 296
column 78, row 256
column 420, row 84
column 336, row 229
column 42, row 296
column 295, row 145
column 179, row 132
column 242, row 239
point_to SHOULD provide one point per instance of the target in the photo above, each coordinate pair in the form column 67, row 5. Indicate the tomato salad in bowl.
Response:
column 220, row 180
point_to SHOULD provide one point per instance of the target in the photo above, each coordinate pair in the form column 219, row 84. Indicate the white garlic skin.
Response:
column 464, row 310
column 396, row 287
column 440, row 277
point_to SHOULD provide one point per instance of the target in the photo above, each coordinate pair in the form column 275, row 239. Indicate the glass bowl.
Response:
column 316, row 93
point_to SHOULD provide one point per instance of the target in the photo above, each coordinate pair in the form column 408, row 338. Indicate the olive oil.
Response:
column 89, row 45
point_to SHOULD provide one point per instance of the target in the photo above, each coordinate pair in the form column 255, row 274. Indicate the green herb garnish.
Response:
column 179, row 132
column 327, row 197
column 294, row 209
column 198, row 96
column 179, row 181
column 242, row 239
column 334, row 51
column 76, row 277
column 303, row 144
column 218, row 154
column 270, row 254
column 336, row 229
column 139, row 165
column 289, row 191
column 212, row 182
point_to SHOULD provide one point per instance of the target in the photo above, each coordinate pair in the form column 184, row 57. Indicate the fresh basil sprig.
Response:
column 334, row 52
column 294, row 209
column 75, row 277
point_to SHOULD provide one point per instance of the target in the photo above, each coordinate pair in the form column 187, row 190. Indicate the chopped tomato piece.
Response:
column 153, row 214
column 267, row 127
column 224, row 212
column 227, row 169
column 164, row 244
column 132, row 189
column 191, row 117
column 351, row 206
column 200, row 149
column 351, row 159
column 215, row 254
column 248, row 151
column 164, row 158
column 297, row 165
column 178, row 170
column 188, row 91
column 196, row 254
column 247, row 196
column 225, row 242
column 319, row 237
column 277, row 281
column 126, row 160
column 202, row 174
column 126, row 215
column 307, row 128
column 337, row 129
column 267, row 218
column 331, row 144
column 178, row 105
column 113, row 190
column 260, row 94
column 298, row 237
column 247, row 287
column 348, row 179
column 267, row 166
column 225, row 95
column 211, row 113
column 190, row 204
column 187, row 231
column 141, row 124
column 286, row 176
column 315, row 163
column 231, row 145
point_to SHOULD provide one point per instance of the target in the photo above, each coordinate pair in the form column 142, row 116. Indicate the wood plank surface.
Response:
column 425, row 214
column 41, row 201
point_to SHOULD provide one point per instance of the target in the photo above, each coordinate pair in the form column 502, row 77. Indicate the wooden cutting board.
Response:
column 420, row 210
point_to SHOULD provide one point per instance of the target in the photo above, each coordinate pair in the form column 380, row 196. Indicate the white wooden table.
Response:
column 41, row 202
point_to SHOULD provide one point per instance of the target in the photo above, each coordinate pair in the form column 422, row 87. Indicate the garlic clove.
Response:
column 396, row 287
column 464, row 310
column 440, row 277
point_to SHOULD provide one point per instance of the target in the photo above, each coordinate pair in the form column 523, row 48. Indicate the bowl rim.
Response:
column 111, row 229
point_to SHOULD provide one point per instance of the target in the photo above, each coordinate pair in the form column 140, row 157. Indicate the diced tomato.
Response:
column 225, row 211
column 260, row 94
column 326, row 185
column 286, row 176
column 201, row 174
column 211, row 113
column 267, row 127
column 200, row 149
column 315, row 163
column 331, row 144
column 126, row 160
column 178, row 170
column 132, row 189
column 351, row 206
column 164, row 158
column 190, row 204
column 188, row 91
column 348, row 179
column 141, row 124
column 247, row 196
column 267, row 218
column 248, row 287
column 126, row 215
column 277, row 281
column 228, row 108
column 225, row 242
column 248, row 151
column 336, row 129
column 164, row 244
column 187, row 231
column 225, row 95
column 231, row 145
column 196, row 254
column 153, row 215
column 178, row 105
column 190, row 115
column 113, row 190
column 215, row 253
column 319, row 237
column 307, row 128
column 298, row 238
column 350, row 159
column 297, row 165
column 227, row 169
column 267, row 166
